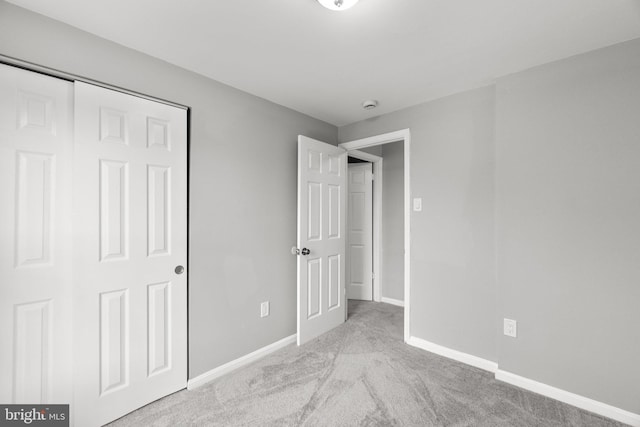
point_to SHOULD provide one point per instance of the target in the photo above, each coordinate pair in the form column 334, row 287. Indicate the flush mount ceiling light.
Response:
column 337, row 4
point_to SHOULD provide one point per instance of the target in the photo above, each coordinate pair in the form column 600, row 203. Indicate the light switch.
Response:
column 417, row 204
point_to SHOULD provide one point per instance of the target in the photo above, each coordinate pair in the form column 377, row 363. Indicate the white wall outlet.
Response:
column 417, row 204
column 264, row 309
column 510, row 328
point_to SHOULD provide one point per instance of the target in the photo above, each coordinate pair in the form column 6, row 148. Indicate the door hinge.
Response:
column 373, row 275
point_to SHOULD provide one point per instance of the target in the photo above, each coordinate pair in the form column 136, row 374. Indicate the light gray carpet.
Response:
column 360, row 374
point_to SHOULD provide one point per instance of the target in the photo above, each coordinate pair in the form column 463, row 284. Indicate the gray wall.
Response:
column 568, row 223
column 452, row 240
column 376, row 150
column 566, row 195
column 243, row 183
column 392, row 254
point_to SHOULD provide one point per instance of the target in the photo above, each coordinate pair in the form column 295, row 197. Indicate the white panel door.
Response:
column 36, row 143
column 130, row 204
column 360, row 232
column 321, row 237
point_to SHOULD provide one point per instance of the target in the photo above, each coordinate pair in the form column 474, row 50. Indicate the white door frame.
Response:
column 405, row 136
column 377, row 217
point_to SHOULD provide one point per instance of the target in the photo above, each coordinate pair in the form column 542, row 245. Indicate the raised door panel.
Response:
column 335, row 164
column 34, row 207
column 335, row 201
column 158, row 134
column 32, row 364
column 356, row 264
column 159, row 322
column 114, row 341
column 334, row 285
column 315, row 220
column 36, row 112
column 356, row 211
column 114, row 210
column 159, row 209
column 114, row 126
column 314, row 161
column 314, row 283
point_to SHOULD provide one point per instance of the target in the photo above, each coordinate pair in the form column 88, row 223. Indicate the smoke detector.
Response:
column 369, row 104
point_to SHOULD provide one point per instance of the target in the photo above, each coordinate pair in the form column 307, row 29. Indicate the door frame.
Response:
column 376, row 161
column 403, row 135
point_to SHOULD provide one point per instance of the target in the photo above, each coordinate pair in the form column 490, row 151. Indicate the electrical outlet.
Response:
column 510, row 328
column 264, row 309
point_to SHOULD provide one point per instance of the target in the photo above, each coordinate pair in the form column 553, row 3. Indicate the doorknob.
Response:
column 296, row 251
column 179, row 269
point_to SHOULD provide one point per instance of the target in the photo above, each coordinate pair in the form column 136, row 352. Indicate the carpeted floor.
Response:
column 360, row 374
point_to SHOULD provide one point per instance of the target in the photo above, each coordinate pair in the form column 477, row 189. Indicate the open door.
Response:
column 322, row 170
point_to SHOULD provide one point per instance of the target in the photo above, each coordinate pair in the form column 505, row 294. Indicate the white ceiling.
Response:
column 324, row 64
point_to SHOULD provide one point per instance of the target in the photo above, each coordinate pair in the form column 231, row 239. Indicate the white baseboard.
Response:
column 546, row 390
column 478, row 362
column 397, row 302
column 571, row 398
column 202, row 379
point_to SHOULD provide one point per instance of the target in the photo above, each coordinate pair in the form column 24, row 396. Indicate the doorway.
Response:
column 377, row 140
column 388, row 234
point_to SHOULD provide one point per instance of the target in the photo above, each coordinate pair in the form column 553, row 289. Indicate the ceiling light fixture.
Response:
column 337, row 4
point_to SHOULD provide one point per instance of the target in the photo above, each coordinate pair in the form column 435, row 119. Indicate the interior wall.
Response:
column 376, row 150
column 392, row 254
column 566, row 191
column 241, row 206
column 568, row 229
column 452, row 240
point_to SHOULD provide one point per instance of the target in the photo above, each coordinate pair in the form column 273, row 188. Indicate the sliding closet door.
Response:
column 36, row 143
column 130, row 287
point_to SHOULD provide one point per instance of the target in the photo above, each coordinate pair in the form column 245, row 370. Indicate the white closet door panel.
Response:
column 36, row 144
column 130, row 216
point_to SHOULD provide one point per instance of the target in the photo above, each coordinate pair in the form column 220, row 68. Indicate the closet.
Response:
column 93, row 244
